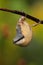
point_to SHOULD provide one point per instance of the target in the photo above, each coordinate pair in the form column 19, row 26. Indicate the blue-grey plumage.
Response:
column 19, row 34
column 24, row 33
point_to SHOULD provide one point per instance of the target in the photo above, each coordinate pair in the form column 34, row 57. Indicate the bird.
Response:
column 23, row 29
column 23, row 33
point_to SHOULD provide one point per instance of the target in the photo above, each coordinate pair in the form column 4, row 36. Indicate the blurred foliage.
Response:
column 9, row 53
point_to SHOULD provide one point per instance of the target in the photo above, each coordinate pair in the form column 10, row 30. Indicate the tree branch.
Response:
column 23, row 14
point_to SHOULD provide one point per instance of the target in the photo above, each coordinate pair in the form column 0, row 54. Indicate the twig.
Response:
column 23, row 14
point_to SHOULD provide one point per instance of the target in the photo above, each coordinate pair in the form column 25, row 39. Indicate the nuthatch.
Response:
column 24, row 33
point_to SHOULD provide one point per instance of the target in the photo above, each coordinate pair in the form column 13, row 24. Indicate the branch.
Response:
column 23, row 14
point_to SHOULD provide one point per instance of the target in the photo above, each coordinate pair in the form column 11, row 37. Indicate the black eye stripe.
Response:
column 19, row 39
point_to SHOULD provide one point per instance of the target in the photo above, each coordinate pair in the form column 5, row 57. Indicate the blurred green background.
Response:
column 9, row 53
